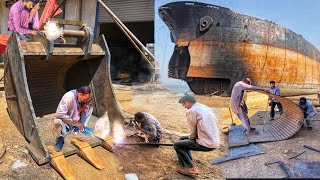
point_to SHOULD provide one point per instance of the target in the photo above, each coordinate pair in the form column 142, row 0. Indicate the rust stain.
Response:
column 221, row 60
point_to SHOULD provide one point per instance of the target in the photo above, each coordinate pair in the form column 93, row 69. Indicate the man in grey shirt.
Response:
column 149, row 127
column 308, row 109
column 73, row 114
column 204, row 134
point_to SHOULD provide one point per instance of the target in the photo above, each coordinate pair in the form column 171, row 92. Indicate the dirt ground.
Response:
column 161, row 163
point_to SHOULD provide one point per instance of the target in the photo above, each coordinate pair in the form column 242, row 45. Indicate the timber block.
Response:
column 86, row 152
column 61, row 165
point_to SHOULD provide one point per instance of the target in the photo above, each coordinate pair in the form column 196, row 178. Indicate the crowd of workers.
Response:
column 239, row 107
column 74, row 111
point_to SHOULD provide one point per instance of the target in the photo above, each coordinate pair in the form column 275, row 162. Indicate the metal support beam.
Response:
column 134, row 40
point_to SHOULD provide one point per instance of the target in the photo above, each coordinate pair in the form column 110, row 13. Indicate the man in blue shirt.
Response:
column 273, row 102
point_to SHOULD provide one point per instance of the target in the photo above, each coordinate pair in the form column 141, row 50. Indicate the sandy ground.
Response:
column 161, row 163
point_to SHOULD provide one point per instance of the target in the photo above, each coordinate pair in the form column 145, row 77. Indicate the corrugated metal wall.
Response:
column 128, row 10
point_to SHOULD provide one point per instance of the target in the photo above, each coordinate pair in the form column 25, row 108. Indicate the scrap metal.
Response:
column 314, row 149
column 301, row 169
column 275, row 162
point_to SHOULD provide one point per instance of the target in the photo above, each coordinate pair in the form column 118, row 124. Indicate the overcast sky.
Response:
column 301, row 16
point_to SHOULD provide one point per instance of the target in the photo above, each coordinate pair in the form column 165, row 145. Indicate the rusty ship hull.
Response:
column 216, row 47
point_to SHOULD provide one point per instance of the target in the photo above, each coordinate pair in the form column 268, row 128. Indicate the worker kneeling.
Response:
column 148, row 127
column 204, row 134
column 308, row 109
column 72, row 115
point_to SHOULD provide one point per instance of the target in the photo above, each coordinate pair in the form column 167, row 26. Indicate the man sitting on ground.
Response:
column 148, row 127
column 23, row 18
column 73, row 114
column 204, row 134
column 308, row 109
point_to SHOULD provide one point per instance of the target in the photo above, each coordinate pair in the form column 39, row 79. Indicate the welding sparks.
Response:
column 118, row 132
column 102, row 127
column 52, row 30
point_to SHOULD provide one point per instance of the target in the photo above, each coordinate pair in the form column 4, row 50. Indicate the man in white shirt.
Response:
column 238, row 102
column 308, row 109
column 204, row 134
column 73, row 114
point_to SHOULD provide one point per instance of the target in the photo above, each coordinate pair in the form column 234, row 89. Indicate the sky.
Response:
column 301, row 16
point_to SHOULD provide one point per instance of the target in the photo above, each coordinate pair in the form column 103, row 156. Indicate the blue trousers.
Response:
column 65, row 128
column 24, row 37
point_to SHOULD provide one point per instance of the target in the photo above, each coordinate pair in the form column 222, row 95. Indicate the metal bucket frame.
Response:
column 21, row 94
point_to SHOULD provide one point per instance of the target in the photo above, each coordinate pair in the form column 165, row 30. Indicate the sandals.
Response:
column 188, row 171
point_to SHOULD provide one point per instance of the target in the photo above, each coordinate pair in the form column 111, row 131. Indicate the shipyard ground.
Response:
column 161, row 163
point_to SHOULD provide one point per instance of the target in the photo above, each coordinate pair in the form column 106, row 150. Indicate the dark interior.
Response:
column 179, row 63
column 49, row 80
column 125, row 59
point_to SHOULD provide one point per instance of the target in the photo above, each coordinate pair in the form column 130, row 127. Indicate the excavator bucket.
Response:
column 38, row 73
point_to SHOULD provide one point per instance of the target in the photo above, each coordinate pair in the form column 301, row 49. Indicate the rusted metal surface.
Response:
column 73, row 33
column 301, row 169
column 284, row 127
column 39, row 73
column 237, row 137
column 216, row 47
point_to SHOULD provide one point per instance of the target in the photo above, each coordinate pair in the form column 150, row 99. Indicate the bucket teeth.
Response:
column 107, row 143
column 86, row 152
column 61, row 165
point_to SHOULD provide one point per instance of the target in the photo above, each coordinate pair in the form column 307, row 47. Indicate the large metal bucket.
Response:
column 37, row 74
